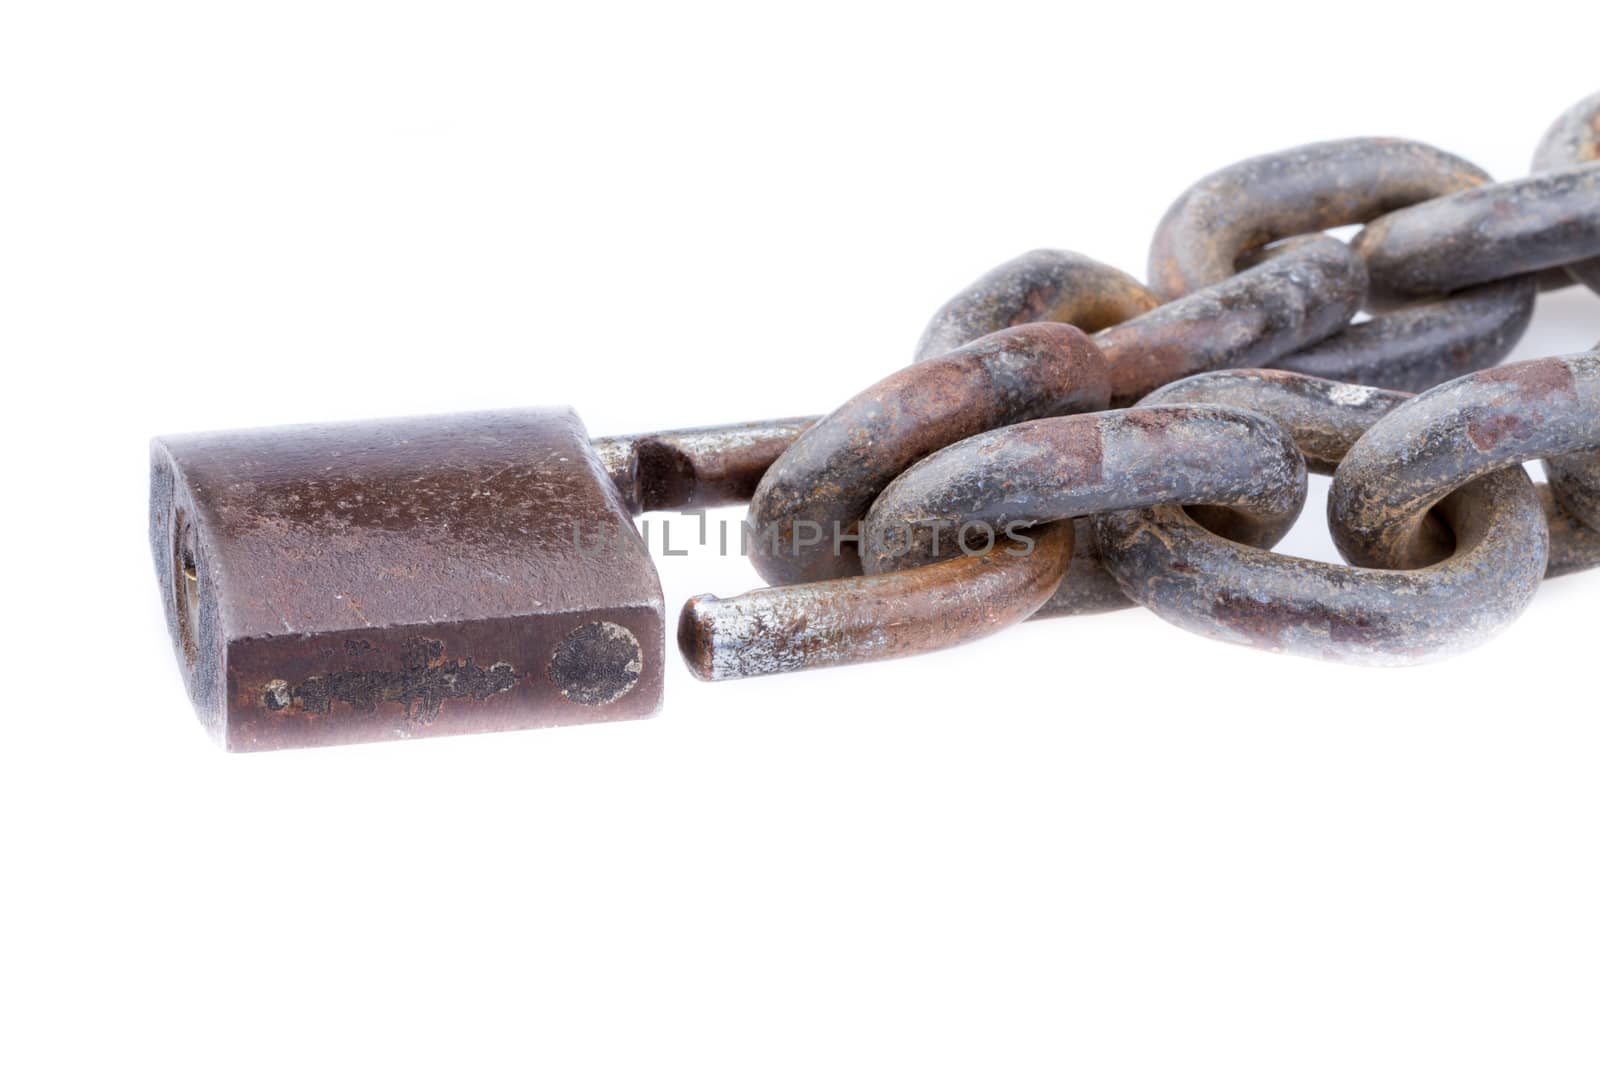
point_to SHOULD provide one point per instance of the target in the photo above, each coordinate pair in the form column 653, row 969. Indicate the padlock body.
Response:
column 402, row 578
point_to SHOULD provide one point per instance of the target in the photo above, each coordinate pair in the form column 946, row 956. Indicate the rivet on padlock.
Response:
column 425, row 576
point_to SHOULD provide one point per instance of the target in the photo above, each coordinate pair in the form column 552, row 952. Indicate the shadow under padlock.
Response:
column 426, row 576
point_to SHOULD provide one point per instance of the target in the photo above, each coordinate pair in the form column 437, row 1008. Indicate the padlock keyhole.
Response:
column 186, row 587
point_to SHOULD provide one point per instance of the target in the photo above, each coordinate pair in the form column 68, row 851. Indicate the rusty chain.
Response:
column 1014, row 422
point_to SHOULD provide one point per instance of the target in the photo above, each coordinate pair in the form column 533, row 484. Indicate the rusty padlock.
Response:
column 425, row 576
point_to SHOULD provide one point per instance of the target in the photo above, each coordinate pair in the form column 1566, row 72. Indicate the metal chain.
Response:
column 989, row 482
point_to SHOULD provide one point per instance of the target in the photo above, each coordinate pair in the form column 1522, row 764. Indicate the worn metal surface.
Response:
column 1383, row 490
column 1225, row 215
column 695, row 468
column 1574, row 138
column 1573, row 503
column 402, row 578
column 860, row 619
column 1306, row 290
column 1575, row 481
column 1484, row 234
column 1574, row 544
column 1297, row 191
column 1168, row 562
column 806, row 507
column 1419, row 346
column 1044, row 285
column 1324, row 417
column 1241, row 468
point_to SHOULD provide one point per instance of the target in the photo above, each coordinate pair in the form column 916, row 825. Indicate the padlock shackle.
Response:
column 704, row 466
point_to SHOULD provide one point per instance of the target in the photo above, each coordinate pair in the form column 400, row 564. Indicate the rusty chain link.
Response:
column 988, row 482
column 1337, row 183
column 1383, row 492
column 1170, row 564
column 820, row 488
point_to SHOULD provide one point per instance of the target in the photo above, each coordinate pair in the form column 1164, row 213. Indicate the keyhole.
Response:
column 186, row 587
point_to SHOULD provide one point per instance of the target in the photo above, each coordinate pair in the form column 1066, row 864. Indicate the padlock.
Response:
column 460, row 574
column 425, row 576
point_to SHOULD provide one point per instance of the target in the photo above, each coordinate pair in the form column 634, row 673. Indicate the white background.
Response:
column 1099, row 841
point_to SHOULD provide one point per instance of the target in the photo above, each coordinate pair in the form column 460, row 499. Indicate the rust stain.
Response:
column 1535, row 385
column 1535, row 378
column 1263, row 624
column 1490, row 429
